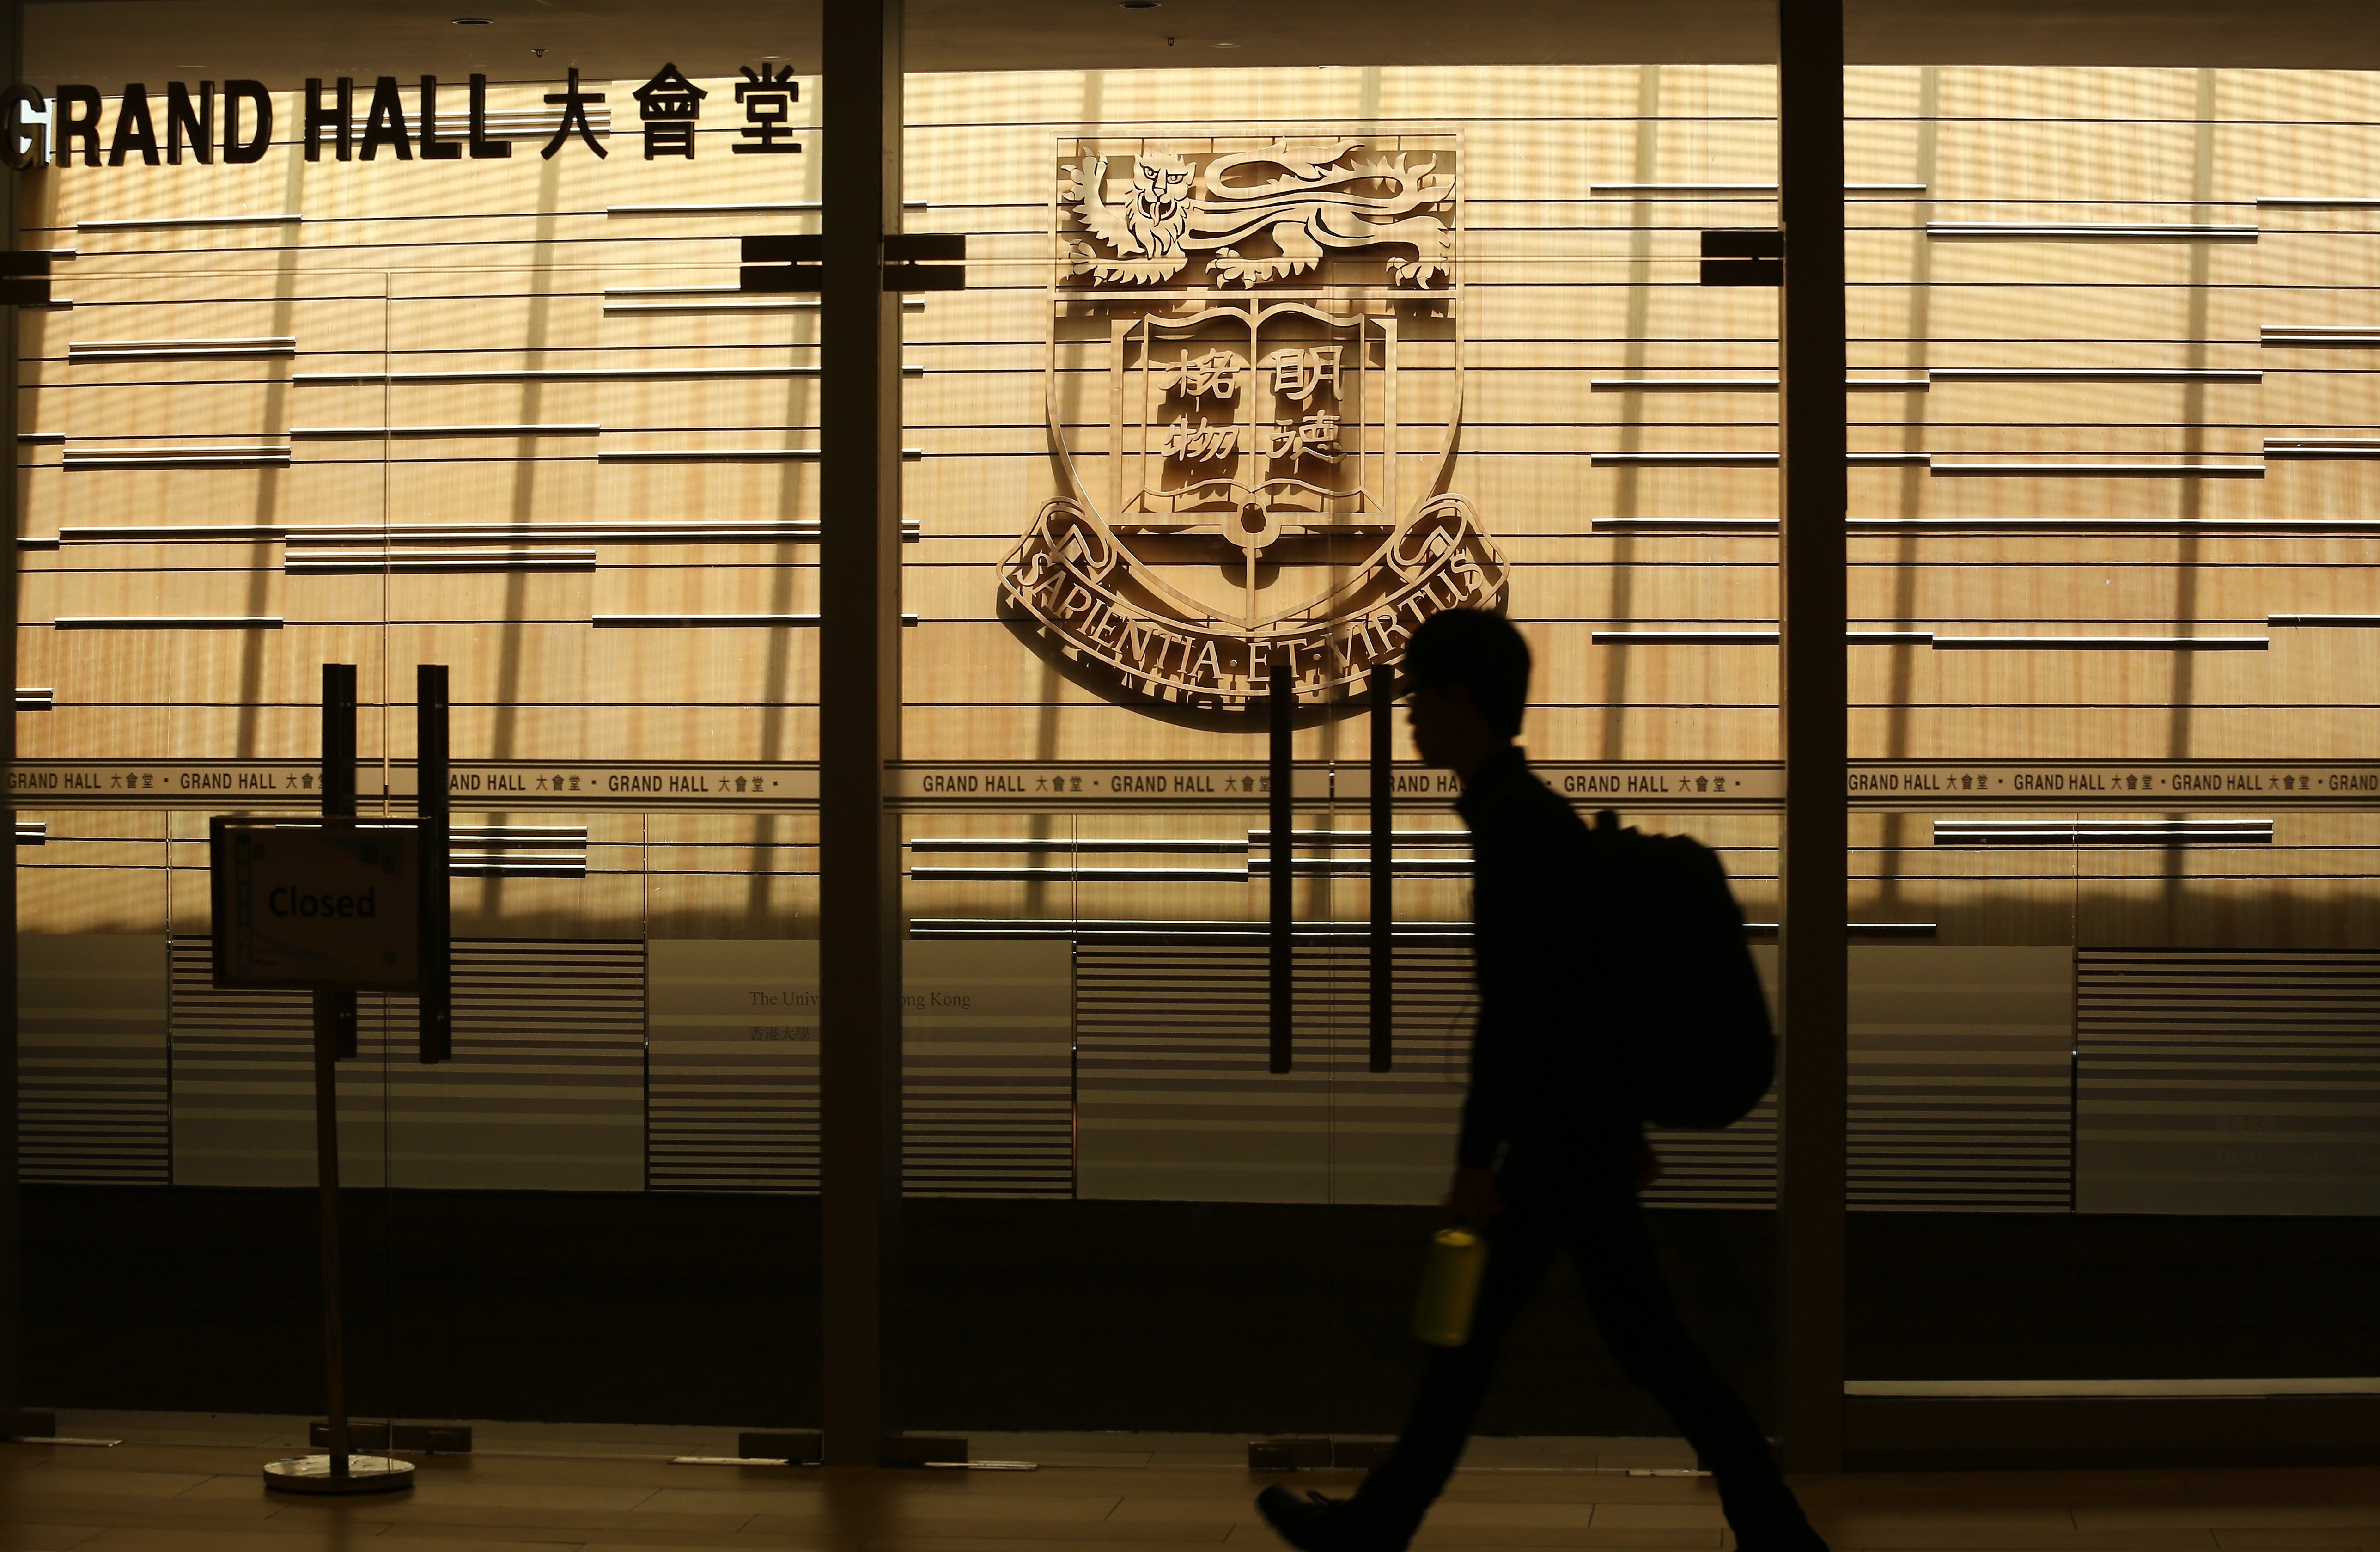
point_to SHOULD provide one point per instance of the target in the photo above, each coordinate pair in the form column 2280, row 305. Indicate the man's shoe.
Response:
column 1784, row 1534
column 1801, row 1540
column 1308, row 1521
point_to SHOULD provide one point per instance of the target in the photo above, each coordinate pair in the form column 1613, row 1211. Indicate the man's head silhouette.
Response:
column 1469, row 673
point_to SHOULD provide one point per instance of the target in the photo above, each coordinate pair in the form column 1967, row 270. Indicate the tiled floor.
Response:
column 189, row 1484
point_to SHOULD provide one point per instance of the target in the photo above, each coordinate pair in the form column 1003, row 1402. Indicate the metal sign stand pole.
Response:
column 326, row 1164
column 331, row 1041
column 335, row 1036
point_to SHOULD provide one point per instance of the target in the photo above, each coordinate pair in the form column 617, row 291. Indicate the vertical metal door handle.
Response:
column 1279, row 709
column 335, row 1011
column 1382, row 686
column 433, row 811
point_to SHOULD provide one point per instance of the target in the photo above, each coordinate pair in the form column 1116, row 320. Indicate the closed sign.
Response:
column 316, row 905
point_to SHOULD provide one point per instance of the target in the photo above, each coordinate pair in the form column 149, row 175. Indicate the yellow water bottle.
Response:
column 1449, row 1287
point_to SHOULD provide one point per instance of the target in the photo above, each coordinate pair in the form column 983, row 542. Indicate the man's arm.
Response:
column 1472, row 1199
column 1486, row 1106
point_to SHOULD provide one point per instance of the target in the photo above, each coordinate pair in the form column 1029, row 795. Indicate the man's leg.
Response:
column 1612, row 1246
column 1400, row 1490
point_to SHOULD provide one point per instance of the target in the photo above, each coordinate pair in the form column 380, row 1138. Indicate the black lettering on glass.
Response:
column 234, row 149
column 23, row 144
column 573, row 104
column 768, row 96
column 77, row 119
column 135, row 130
column 341, row 118
column 182, row 119
column 669, row 103
column 385, row 125
column 432, row 148
column 481, row 145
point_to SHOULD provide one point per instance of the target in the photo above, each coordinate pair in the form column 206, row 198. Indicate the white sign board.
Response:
column 320, row 905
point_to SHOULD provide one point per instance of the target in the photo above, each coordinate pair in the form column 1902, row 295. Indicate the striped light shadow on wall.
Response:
column 733, row 1086
column 517, row 852
column 2213, row 1080
column 92, row 1054
column 1960, row 1072
column 545, row 1092
column 987, row 1067
column 1176, row 1103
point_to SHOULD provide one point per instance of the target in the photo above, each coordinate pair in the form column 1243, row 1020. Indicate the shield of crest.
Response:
column 1255, row 399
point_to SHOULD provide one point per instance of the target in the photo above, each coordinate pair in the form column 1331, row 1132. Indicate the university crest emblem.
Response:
column 1255, row 395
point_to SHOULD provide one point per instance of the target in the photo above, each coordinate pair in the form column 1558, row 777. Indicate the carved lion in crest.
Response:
column 1304, row 203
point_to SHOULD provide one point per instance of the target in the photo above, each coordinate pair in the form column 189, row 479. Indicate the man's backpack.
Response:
column 1690, row 1018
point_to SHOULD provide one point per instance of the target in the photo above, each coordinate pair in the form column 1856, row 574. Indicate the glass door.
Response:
column 615, row 462
column 197, row 550
column 1149, row 478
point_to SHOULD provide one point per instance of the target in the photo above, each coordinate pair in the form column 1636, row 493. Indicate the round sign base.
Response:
column 366, row 1473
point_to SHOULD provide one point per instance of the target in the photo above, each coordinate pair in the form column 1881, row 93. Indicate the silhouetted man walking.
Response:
column 1552, row 1151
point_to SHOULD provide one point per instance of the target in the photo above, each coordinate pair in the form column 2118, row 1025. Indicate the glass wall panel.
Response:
column 1267, row 366
column 190, row 561
column 507, row 413
column 2107, row 903
column 1258, row 364
column 2103, row 739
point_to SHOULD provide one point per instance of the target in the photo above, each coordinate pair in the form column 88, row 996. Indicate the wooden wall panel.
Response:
column 459, row 319
column 759, row 491
column 723, row 668
column 97, row 873
column 141, row 498
column 146, row 593
column 1907, row 311
column 455, row 404
column 2082, row 94
column 505, row 479
column 1558, row 294
column 758, row 907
